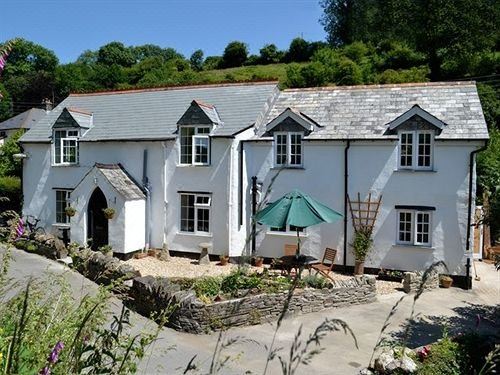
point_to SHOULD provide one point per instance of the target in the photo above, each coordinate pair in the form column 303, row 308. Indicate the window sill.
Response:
column 287, row 234
column 423, row 247
column 194, row 234
column 193, row 165
column 415, row 170
column 288, row 167
column 61, row 225
column 65, row 165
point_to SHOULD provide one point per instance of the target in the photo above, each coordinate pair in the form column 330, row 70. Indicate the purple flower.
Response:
column 44, row 371
column 54, row 354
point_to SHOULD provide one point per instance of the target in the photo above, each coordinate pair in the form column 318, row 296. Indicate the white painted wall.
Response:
column 135, row 213
column 372, row 168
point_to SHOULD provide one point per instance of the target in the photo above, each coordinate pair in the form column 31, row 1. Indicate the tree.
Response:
column 140, row 53
column 115, row 53
column 235, row 54
column 5, row 104
column 298, row 51
column 212, row 62
column 87, row 57
column 8, row 165
column 196, row 60
column 269, row 54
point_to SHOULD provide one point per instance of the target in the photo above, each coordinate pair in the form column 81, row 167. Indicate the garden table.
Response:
column 296, row 261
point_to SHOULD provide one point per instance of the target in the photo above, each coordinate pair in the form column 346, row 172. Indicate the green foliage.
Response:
column 235, row 54
column 196, row 60
column 299, row 51
column 314, row 281
column 404, row 76
column 10, row 188
column 115, row 53
column 269, row 54
column 362, row 243
column 8, row 165
column 208, row 286
column 239, row 280
column 5, row 104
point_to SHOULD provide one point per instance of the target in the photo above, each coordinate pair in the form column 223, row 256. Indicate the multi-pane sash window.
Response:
column 195, row 213
column 65, row 147
column 195, row 145
column 62, row 201
column 414, row 227
column 288, row 149
column 287, row 229
column 415, row 150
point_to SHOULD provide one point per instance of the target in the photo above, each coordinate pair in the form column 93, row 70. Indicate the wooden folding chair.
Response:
column 326, row 265
column 289, row 251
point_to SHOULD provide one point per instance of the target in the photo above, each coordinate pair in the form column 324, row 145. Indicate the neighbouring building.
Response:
column 24, row 120
column 177, row 164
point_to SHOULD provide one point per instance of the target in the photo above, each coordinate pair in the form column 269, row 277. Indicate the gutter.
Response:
column 469, row 214
column 346, row 180
column 147, row 189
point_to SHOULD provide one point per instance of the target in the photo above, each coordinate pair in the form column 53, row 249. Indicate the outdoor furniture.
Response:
column 290, row 249
column 325, row 267
column 290, row 262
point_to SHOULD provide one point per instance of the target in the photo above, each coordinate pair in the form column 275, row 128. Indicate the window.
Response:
column 195, row 145
column 62, row 201
column 195, row 213
column 414, row 228
column 288, row 149
column 287, row 229
column 65, row 147
column 415, row 150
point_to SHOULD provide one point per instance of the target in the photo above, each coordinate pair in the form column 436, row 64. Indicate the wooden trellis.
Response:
column 364, row 213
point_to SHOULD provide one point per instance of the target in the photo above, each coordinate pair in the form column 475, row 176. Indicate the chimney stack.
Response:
column 48, row 105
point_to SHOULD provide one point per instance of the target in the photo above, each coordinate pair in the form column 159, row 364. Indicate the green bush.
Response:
column 10, row 188
column 362, row 243
column 208, row 286
column 314, row 281
column 239, row 280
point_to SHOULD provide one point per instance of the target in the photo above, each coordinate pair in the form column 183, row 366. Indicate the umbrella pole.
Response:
column 298, row 243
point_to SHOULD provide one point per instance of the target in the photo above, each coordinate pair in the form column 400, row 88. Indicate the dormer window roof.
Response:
column 200, row 113
column 73, row 118
column 402, row 122
column 291, row 120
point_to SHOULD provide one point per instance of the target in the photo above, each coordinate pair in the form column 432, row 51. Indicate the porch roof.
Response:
column 118, row 177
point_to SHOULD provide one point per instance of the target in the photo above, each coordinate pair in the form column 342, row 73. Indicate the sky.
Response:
column 68, row 27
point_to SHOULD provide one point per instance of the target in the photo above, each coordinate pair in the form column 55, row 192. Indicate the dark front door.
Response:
column 97, row 223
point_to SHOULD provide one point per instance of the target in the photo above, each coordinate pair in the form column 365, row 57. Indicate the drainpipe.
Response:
column 469, row 214
column 147, row 188
column 254, row 211
column 346, row 179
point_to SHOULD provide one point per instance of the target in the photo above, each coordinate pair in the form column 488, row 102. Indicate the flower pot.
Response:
column 446, row 282
column 70, row 211
column 359, row 267
column 224, row 260
column 140, row 255
column 109, row 213
column 153, row 252
column 258, row 262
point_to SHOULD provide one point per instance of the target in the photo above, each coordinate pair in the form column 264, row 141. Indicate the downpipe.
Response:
column 346, row 180
column 147, row 188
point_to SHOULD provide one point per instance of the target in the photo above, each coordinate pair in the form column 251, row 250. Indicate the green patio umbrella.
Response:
column 297, row 209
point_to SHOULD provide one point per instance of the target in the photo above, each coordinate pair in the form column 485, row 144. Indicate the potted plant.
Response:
column 153, row 252
column 224, row 259
column 390, row 275
column 361, row 245
column 70, row 211
column 446, row 281
column 140, row 254
column 109, row 212
column 258, row 261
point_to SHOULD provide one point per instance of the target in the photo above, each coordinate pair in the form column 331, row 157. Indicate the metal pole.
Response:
column 254, row 209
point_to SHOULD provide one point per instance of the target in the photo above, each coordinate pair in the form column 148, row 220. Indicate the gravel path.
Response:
column 185, row 267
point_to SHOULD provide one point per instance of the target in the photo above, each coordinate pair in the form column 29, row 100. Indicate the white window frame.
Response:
column 288, row 138
column 415, row 150
column 63, row 144
column 414, row 228
column 198, row 134
column 196, row 206
column 67, row 195
column 287, row 231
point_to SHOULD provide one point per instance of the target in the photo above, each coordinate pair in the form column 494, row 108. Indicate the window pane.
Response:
column 203, row 130
column 62, row 197
column 406, row 150
column 70, row 150
column 57, row 145
column 405, row 223
column 281, row 149
column 294, row 229
column 186, row 144
column 423, row 228
column 424, row 150
column 187, row 212
column 201, row 150
column 203, row 220
column 275, row 229
column 295, row 149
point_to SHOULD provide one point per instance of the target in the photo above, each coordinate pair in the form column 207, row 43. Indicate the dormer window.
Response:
column 195, row 145
column 65, row 147
column 415, row 149
column 288, row 149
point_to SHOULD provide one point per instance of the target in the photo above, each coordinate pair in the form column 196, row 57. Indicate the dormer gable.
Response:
column 415, row 118
column 200, row 113
column 73, row 118
column 291, row 120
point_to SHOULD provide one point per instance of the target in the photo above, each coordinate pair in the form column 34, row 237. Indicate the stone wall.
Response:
column 151, row 295
column 413, row 280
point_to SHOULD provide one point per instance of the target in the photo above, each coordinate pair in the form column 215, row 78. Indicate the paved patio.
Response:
column 173, row 350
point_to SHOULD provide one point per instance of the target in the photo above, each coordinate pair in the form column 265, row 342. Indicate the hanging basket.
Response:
column 109, row 213
column 70, row 211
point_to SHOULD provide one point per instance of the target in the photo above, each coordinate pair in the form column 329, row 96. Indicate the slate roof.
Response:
column 364, row 112
column 152, row 114
column 118, row 177
column 24, row 120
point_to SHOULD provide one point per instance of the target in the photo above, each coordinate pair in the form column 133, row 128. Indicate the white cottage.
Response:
column 177, row 166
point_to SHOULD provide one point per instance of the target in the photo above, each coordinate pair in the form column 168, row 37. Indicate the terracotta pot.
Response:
column 258, row 262
column 224, row 260
column 446, row 283
column 359, row 267
column 140, row 255
column 153, row 252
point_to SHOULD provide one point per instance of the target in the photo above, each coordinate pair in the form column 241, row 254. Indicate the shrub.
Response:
column 208, row 286
column 240, row 280
column 314, row 281
column 10, row 188
column 362, row 243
